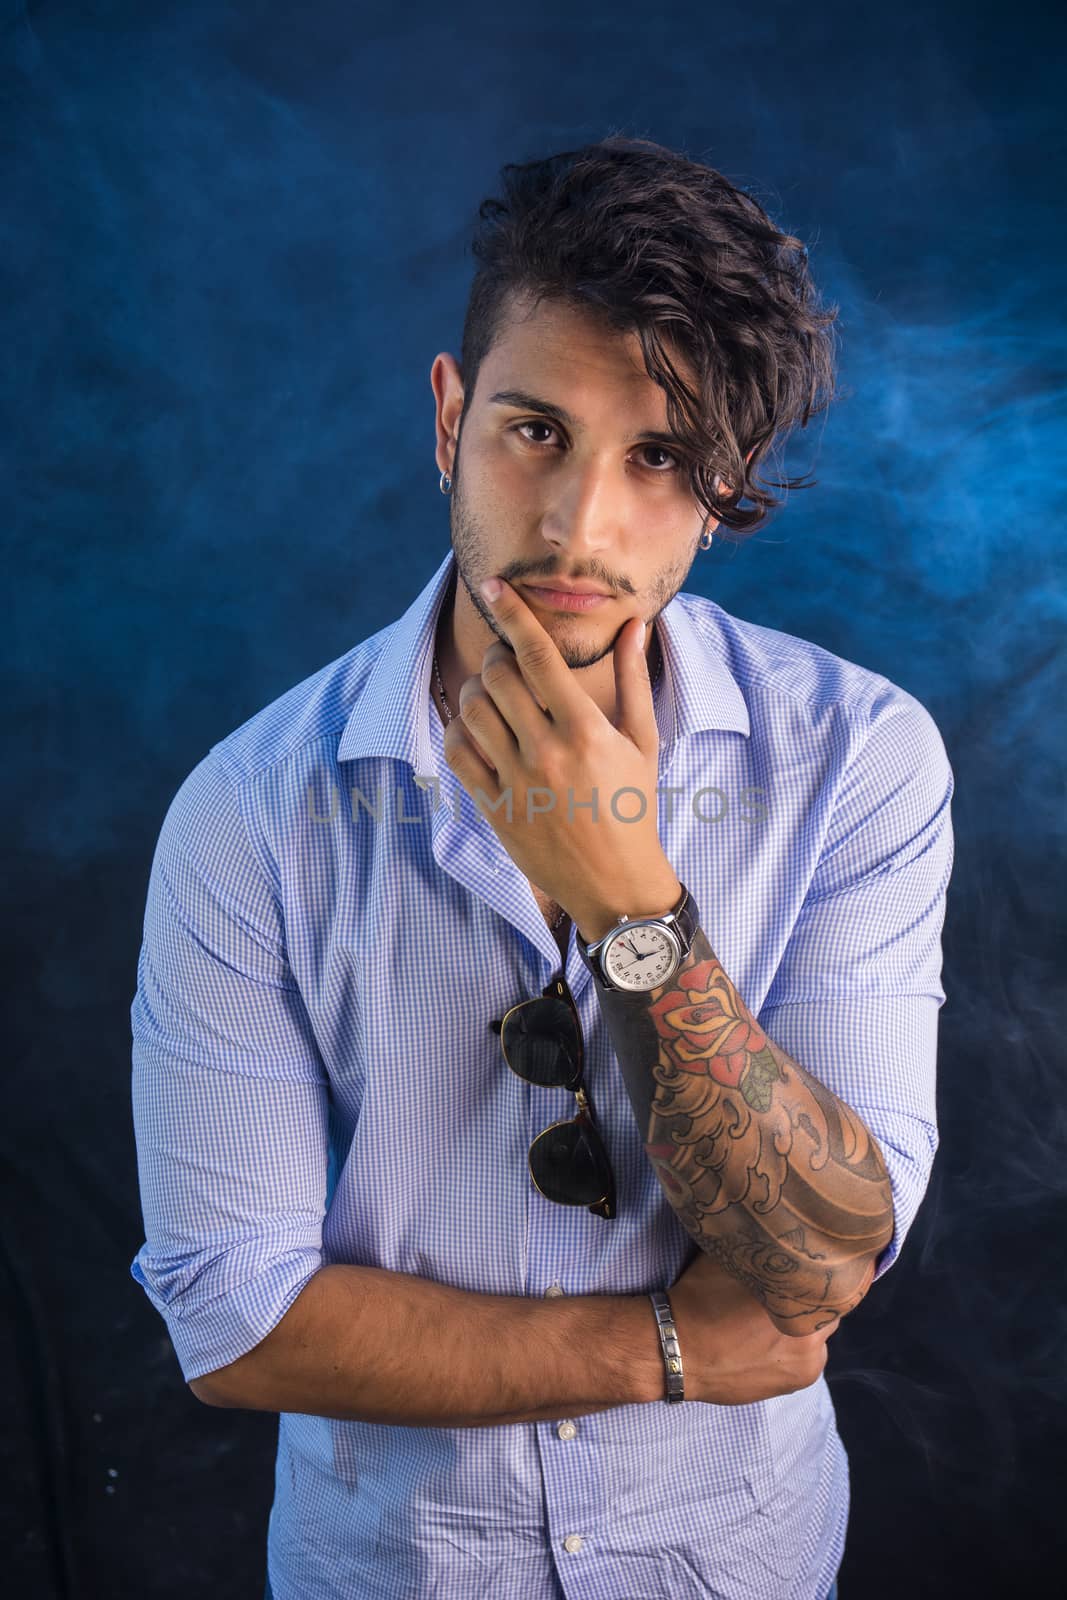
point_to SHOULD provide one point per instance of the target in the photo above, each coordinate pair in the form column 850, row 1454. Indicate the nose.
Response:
column 586, row 517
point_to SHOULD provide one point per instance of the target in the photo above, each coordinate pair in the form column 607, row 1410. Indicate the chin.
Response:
column 587, row 654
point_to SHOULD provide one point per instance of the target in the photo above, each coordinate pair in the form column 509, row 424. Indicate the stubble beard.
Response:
column 473, row 553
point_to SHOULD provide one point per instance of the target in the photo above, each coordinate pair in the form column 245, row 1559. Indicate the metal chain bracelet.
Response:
column 668, row 1338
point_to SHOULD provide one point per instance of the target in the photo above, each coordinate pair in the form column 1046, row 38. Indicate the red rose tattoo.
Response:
column 703, row 1032
column 725, row 1117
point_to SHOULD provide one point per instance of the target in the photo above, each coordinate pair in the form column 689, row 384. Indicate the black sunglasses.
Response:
column 542, row 1043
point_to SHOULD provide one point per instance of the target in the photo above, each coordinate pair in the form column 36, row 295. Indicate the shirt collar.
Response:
column 392, row 714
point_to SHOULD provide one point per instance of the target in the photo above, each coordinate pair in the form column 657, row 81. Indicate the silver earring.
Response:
column 446, row 483
column 707, row 539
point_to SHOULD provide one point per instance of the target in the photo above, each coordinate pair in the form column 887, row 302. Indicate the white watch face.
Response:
column 640, row 957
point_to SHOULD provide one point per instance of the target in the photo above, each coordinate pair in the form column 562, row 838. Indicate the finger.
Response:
column 541, row 664
column 484, row 723
column 466, row 761
column 635, row 713
column 512, row 696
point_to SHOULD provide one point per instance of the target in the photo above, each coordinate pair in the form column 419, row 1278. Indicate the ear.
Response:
column 720, row 483
column 447, row 384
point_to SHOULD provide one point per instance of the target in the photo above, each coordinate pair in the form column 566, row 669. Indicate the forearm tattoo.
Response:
column 767, row 1169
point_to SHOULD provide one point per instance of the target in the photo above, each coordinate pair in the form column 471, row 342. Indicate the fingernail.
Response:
column 490, row 589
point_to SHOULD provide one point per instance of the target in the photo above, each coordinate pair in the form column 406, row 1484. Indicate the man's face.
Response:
column 594, row 498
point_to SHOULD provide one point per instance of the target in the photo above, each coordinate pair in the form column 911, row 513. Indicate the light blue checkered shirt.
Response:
column 314, row 1081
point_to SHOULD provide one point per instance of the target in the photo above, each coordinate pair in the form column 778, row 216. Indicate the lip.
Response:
column 566, row 599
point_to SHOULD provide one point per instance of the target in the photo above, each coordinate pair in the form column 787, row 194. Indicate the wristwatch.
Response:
column 640, row 953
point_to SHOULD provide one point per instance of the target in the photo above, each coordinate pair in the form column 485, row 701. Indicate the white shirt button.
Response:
column 572, row 1543
column 553, row 1291
column 566, row 1430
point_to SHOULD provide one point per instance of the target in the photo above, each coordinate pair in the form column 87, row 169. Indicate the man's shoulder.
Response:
column 311, row 712
column 772, row 666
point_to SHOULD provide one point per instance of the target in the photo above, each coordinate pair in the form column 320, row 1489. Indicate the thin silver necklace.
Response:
column 449, row 714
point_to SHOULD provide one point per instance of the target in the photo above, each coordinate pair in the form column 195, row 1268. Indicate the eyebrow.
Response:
column 529, row 402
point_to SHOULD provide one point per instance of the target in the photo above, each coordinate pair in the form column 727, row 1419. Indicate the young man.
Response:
column 544, row 954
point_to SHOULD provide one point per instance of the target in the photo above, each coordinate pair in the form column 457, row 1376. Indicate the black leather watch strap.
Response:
column 687, row 921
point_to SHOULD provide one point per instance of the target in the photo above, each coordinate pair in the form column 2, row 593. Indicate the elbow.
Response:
column 851, row 1300
column 208, row 1390
column 231, row 1387
column 799, row 1320
column 868, row 1275
column 240, row 1386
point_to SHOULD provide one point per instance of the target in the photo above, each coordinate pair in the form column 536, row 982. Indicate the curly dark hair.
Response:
column 666, row 248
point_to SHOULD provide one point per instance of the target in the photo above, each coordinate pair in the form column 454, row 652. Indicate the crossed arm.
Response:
column 772, row 1175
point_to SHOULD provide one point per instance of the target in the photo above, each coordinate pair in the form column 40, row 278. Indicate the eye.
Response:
column 542, row 444
column 519, row 426
column 659, row 450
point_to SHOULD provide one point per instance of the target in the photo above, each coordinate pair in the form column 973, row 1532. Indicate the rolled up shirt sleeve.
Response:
column 856, row 997
column 230, row 1098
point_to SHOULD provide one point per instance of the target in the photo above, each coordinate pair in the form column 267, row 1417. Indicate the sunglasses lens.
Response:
column 542, row 1044
column 569, row 1165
